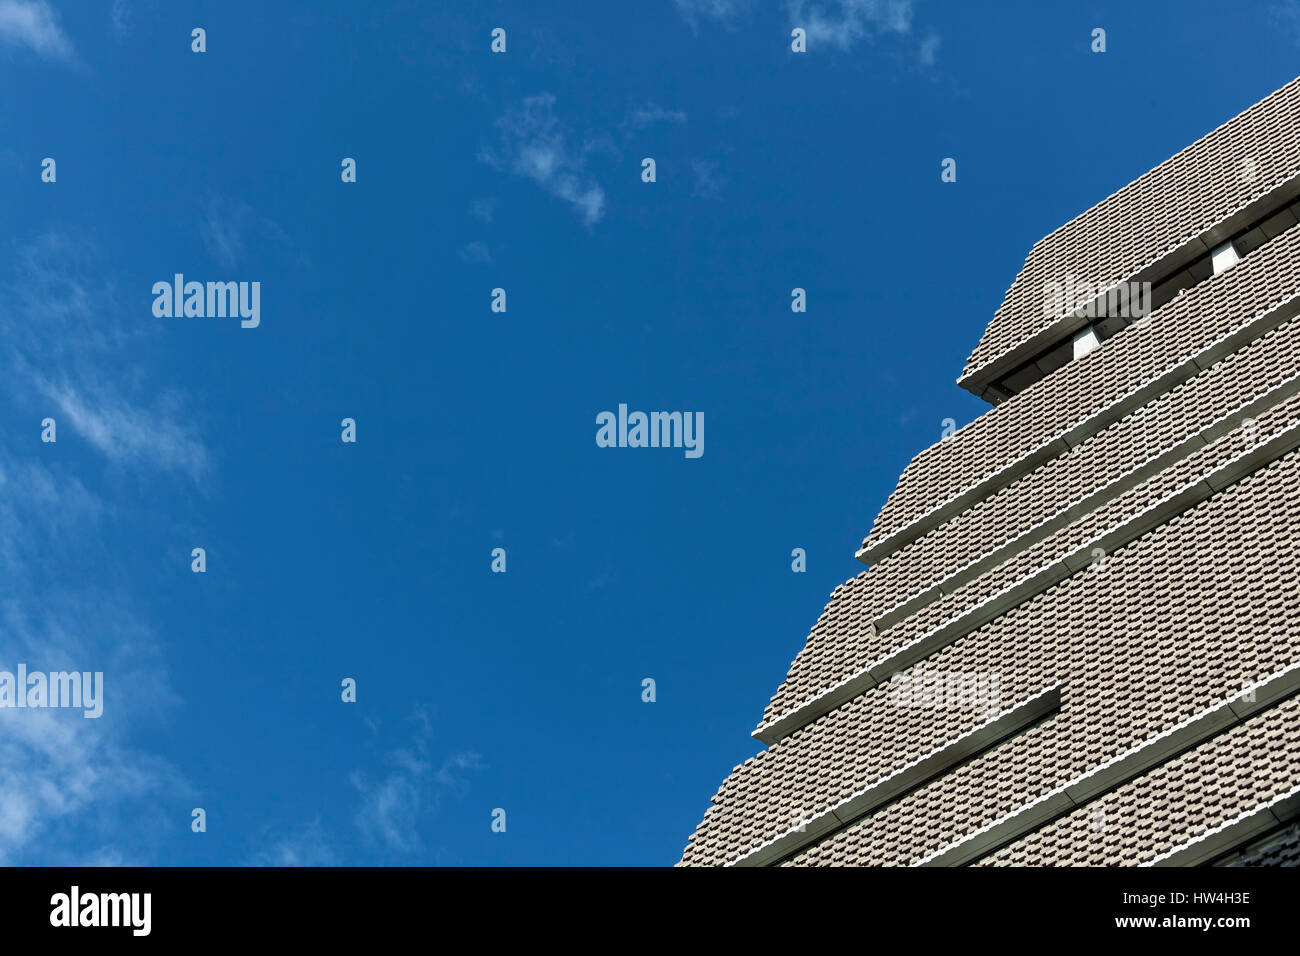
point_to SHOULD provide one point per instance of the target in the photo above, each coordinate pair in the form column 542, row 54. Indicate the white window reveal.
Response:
column 1085, row 340
column 1224, row 257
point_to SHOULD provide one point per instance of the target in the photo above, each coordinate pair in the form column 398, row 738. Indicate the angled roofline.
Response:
column 1168, row 253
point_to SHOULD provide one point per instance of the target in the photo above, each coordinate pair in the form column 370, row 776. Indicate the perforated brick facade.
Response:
column 1078, row 642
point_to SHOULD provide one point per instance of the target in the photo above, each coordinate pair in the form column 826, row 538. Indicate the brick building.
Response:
column 1078, row 642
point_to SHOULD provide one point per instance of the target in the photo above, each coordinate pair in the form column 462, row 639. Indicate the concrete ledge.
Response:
column 1214, row 843
column 1112, row 539
column 1165, row 263
column 1089, row 503
column 1079, row 432
column 1119, row 770
column 906, row 778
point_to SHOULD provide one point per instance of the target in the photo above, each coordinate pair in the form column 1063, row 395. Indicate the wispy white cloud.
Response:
column 64, row 505
column 388, row 809
column 929, row 51
column 57, row 769
column 451, row 774
column 66, row 782
column 68, row 349
column 120, row 18
column 156, row 434
column 708, row 184
column 1287, row 16
column 228, row 226
column 304, row 846
column 392, row 806
column 222, row 230
column 535, row 145
column 71, row 789
column 35, row 25
column 828, row 23
column 61, row 774
column 842, row 23
column 476, row 252
column 724, row 12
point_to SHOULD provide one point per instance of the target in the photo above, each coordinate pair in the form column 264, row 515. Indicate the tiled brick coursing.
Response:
column 1154, row 638
column 1174, row 203
column 1195, row 600
column 1066, row 479
column 1260, row 283
column 1177, row 802
column 842, row 641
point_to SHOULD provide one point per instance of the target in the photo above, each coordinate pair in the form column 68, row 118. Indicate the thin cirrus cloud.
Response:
column 120, row 18
column 35, row 25
column 929, row 50
column 1287, row 16
column 67, row 346
column 391, row 806
column 846, row 22
column 125, row 432
column 476, row 252
column 534, row 144
column 227, row 227
column 708, row 184
column 62, row 782
column 67, row 781
column 724, row 12
column 303, row 846
column 837, row 24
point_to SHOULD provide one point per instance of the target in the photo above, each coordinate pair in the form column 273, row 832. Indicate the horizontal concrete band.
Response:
column 1192, row 191
column 1214, row 843
column 1089, row 503
column 1119, row 770
column 926, row 768
column 1166, row 263
column 1082, row 430
column 1110, row 540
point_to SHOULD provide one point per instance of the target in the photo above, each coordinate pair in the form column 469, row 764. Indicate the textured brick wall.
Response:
column 1176, row 202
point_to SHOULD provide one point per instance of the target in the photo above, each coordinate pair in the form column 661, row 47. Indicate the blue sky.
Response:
column 476, row 429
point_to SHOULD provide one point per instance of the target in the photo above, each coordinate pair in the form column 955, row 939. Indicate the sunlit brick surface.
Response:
column 1177, row 443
